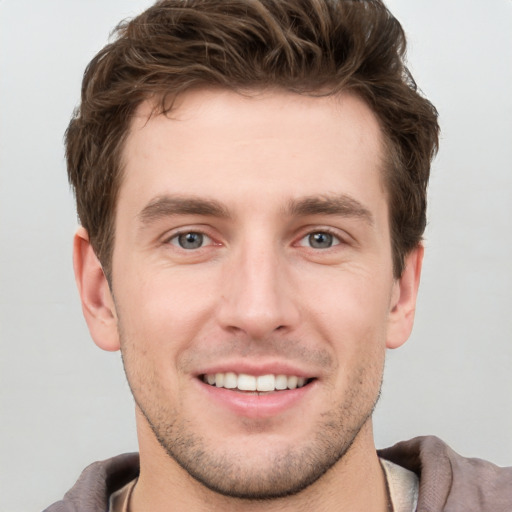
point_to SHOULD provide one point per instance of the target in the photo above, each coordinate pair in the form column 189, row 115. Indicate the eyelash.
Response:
column 335, row 238
column 175, row 239
column 207, row 240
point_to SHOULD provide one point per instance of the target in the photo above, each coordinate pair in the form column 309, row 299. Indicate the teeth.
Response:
column 292, row 382
column 230, row 380
column 266, row 383
column 245, row 382
column 281, row 382
column 218, row 380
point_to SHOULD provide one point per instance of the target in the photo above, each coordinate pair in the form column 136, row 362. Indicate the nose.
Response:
column 257, row 294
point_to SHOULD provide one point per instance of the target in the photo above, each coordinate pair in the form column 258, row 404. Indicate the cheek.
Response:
column 160, row 316
column 164, row 298
column 350, row 313
column 349, row 303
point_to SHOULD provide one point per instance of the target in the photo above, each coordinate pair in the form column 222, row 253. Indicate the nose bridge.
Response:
column 256, row 294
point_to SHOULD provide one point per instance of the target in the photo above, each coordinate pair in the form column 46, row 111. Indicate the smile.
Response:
column 261, row 383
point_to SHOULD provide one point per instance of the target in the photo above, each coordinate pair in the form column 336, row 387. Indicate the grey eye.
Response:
column 321, row 240
column 189, row 240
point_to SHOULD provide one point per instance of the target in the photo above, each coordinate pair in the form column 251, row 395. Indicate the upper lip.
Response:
column 275, row 368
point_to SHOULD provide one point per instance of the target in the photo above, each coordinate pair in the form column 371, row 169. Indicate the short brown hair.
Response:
column 304, row 46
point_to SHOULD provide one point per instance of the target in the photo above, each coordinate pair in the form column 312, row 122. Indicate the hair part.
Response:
column 315, row 47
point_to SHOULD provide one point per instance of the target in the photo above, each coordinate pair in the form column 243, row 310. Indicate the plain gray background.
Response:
column 65, row 403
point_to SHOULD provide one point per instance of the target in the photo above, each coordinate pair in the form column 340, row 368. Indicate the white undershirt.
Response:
column 403, row 490
column 403, row 486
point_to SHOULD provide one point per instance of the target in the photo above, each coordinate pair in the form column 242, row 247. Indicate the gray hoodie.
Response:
column 448, row 482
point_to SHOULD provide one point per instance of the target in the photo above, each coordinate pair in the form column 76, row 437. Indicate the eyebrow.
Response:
column 339, row 204
column 167, row 206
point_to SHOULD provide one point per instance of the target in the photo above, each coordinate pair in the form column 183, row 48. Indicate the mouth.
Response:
column 246, row 383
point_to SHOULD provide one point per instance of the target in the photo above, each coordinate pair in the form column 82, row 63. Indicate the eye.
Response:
column 191, row 240
column 320, row 240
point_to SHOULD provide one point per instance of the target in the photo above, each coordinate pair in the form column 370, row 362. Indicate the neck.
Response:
column 356, row 483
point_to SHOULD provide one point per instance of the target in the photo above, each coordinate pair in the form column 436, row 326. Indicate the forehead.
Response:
column 268, row 113
column 279, row 142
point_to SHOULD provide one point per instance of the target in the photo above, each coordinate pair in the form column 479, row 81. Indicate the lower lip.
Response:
column 255, row 406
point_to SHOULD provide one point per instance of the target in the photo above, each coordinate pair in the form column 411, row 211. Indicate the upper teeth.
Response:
column 245, row 382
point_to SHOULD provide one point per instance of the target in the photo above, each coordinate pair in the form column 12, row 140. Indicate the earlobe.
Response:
column 97, row 303
column 403, row 302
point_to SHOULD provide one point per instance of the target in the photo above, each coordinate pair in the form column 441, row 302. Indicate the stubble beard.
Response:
column 285, row 473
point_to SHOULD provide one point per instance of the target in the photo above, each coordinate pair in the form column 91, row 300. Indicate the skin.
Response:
column 256, row 175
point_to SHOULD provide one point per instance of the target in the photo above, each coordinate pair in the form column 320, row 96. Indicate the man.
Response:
column 251, row 182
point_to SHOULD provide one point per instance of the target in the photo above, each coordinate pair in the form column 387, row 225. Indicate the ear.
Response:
column 97, row 303
column 403, row 300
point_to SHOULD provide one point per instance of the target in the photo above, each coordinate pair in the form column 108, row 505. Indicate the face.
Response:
column 253, row 286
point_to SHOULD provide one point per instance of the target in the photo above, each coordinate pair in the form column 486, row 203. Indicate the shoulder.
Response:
column 97, row 482
column 450, row 482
